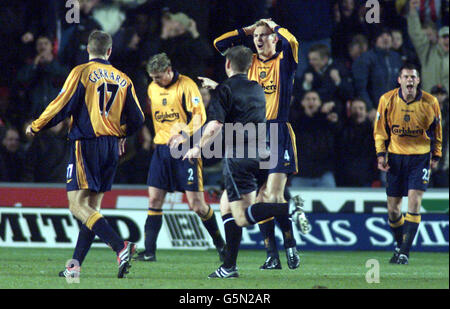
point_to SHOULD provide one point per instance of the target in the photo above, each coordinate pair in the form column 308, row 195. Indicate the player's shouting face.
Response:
column 265, row 41
column 409, row 80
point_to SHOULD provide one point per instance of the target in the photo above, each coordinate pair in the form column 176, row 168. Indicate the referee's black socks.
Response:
column 233, row 235
column 261, row 211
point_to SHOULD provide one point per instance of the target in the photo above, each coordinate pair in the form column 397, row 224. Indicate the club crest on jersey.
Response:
column 195, row 101
column 407, row 118
column 164, row 101
column 263, row 74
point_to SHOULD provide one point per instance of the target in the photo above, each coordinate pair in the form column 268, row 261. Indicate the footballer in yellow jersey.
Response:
column 102, row 106
column 408, row 138
column 177, row 112
column 274, row 71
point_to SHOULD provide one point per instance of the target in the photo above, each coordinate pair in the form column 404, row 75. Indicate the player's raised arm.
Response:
column 63, row 105
column 229, row 39
column 288, row 41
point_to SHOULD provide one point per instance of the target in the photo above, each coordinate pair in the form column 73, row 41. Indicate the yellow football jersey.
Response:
column 175, row 108
column 100, row 100
column 408, row 128
column 275, row 75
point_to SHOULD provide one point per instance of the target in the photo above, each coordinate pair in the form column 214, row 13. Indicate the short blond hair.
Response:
column 158, row 63
column 99, row 42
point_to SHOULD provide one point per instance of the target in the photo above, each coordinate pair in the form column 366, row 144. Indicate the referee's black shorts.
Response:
column 241, row 176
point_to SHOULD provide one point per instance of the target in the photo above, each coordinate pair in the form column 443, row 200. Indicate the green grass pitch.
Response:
column 38, row 268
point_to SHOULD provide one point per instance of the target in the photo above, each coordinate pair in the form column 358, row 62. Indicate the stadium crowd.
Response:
column 345, row 65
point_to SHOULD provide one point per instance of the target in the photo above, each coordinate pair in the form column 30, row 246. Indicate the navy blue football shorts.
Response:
column 286, row 150
column 92, row 164
column 241, row 176
column 174, row 174
column 407, row 172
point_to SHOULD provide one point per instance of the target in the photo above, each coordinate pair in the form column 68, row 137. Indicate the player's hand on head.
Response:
column 270, row 23
column 208, row 83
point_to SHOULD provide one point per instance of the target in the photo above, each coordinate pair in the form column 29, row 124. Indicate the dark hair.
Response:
column 408, row 66
column 99, row 42
column 47, row 36
column 322, row 49
column 240, row 58
column 358, row 99
column 311, row 91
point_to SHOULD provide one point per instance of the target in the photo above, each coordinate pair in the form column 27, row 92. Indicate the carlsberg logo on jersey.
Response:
column 402, row 132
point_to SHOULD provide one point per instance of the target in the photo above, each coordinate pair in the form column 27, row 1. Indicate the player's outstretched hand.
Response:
column 193, row 153
column 28, row 131
column 382, row 164
column 207, row 82
column 175, row 140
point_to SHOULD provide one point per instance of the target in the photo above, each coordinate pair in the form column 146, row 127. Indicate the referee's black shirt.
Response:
column 238, row 100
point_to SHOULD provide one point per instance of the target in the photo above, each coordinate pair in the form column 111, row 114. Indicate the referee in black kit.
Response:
column 238, row 100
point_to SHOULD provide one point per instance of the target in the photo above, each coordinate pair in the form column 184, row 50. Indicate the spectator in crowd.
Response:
column 314, row 27
column 439, row 177
column 348, row 24
column 433, row 56
column 13, row 26
column 444, row 12
column 181, row 41
column 355, row 149
column 357, row 46
column 376, row 71
column 47, row 157
column 134, row 44
column 408, row 55
column 4, row 105
column 74, row 36
column 315, row 126
column 43, row 77
column 41, row 17
column 430, row 30
column 329, row 78
column 11, row 156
